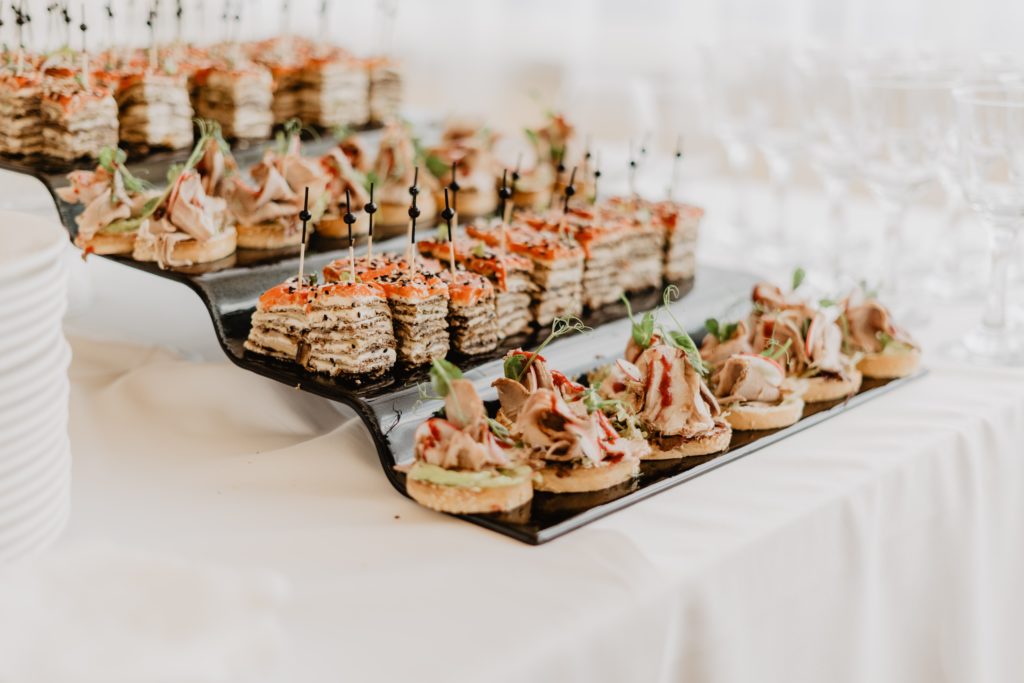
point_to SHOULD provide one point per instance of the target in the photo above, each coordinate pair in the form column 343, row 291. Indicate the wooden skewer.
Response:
column 304, row 216
column 370, row 209
column 349, row 220
column 448, row 214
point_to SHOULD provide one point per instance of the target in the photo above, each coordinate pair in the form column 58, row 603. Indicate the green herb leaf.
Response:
column 371, row 179
column 513, row 366
column 532, row 136
column 711, row 325
column 775, row 350
column 436, row 165
column 643, row 331
column 499, row 430
column 798, row 277
column 442, row 373
column 679, row 338
column 479, row 250
column 560, row 326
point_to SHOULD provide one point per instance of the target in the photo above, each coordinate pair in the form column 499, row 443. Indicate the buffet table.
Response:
column 882, row 545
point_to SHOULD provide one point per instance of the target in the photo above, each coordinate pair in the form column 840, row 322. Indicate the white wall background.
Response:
column 616, row 67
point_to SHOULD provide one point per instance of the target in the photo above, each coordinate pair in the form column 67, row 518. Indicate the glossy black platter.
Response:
column 393, row 407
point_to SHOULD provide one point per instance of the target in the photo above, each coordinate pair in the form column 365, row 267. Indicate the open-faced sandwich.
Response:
column 571, row 442
column 886, row 350
column 184, row 225
column 395, row 173
column 464, row 462
column 217, row 165
column 752, row 390
column 476, row 172
column 342, row 177
column 116, row 204
column 268, row 214
column 661, row 381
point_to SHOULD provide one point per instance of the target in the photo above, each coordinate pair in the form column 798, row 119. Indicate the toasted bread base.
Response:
column 473, row 203
column 755, row 416
column 714, row 440
column 397, row 215
column 890, row 365
column 193, row 251
column 464, row 501
column 106, row 244
column 268, row 236
column 335, row 226
column 531, row 199
column 817, row 389
column 557, row 479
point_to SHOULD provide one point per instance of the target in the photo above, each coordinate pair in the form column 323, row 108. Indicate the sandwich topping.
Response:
column 673, row 399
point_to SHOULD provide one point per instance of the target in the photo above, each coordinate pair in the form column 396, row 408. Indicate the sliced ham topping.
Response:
column 739, row 379
column 824, row 344
column 191, row 211
column 778, row 329
column 99, row 213
column 868, row 320
column 342, row 176
column 213, row 168
column 715, row 351
column 281, row 191
column 675, row 400
column 634, row 350
column 560, row 431
column 463, row 440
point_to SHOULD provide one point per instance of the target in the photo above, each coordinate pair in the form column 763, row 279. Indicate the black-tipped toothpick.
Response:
column 632, row 171
column 515, row 172
column 305, row 217
column 370, row 209
column 414, row 213
column 570, row 190
column 349, row 219
column 454, row 187
column 677, row 160
column 85, row 54
column 597, row 174
column 505, row 194
column 448, row 214
column 559, row 170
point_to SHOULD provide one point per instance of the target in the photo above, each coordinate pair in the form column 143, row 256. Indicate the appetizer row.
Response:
column 68, row 106
column 666, row 398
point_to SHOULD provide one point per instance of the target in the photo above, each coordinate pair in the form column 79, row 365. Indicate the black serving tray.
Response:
column 393, row 406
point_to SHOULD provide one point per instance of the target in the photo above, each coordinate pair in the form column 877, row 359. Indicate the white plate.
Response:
column 28, row 331
column 36, row 510
column 34, row 302
column 56, row 357
column 37, row 529
column 41, row 485
column 27, row 243
column 31, row 353
column 12, row 396
column 21, row 462
column 37, row 538
column 49, row 389
column 21, row 437
column 17, row 288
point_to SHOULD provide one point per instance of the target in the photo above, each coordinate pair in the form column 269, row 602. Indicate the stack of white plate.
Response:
column 35, row 459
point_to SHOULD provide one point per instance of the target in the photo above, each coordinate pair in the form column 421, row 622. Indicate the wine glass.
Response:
column 990, row 128
column 779, row 132
column 825, row 96
column 901, row 114
column 729, row 74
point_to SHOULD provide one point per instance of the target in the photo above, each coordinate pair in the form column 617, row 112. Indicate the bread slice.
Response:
column 473, row 202
column 272, row 235
column 566, row 479
column 335, row 226
column 714, row 440
column 754, row 416
column 890, row 365
column 832, row 388
column 105, row 244
column 460, row 500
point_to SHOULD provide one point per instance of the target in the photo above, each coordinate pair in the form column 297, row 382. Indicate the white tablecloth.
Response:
column 883, row 545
